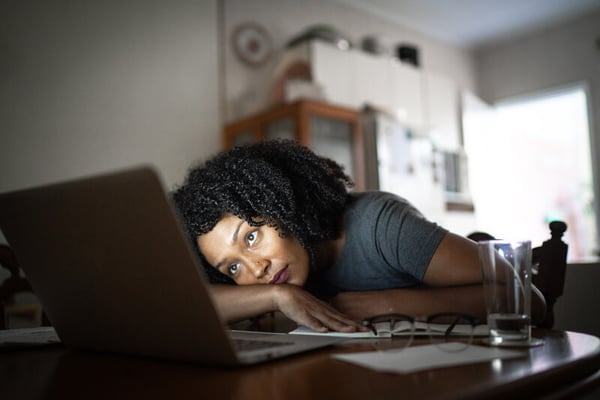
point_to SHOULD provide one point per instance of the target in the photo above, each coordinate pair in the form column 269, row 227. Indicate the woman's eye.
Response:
column 251, row 237
column 233, row 269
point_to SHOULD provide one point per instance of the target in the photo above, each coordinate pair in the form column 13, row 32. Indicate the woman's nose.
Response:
column 260, row 267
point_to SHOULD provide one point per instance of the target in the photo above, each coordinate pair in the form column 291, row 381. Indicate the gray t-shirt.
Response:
column 388, row 244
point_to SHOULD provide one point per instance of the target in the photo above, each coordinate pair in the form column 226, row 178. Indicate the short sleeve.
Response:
column 405, row 239
column 388, row 244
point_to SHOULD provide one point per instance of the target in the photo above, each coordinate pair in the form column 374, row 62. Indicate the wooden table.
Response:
column 565, row 361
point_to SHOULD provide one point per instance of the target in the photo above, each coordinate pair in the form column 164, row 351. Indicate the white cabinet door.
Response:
column 354, row 78
column 334, row 70
column 406, row 88
column 374, row 80
column 442, row 112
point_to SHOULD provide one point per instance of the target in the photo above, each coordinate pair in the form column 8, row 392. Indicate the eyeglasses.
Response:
column 449, row 331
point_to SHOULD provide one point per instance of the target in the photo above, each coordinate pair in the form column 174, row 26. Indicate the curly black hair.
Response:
column 280, row 183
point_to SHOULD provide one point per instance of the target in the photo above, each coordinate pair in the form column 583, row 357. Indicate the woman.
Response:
column 277, row 229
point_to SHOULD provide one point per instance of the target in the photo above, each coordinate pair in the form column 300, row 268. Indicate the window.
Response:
column 529, row 164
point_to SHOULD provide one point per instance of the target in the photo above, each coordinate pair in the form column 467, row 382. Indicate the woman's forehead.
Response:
column 226, row 223
column 221, row 235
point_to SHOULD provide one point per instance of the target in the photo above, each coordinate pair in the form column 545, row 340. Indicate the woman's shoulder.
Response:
column 372, row 200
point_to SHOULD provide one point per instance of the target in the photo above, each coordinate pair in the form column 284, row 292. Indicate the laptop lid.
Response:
column 115, row 272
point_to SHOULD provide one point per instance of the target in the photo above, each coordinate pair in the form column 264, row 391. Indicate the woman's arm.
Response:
column 456, row 262
column 294, row 302
column 467, row 299
column 453, row 280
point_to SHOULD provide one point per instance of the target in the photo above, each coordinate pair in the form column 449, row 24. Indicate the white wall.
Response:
column 548, row 59
column 247, row 89
column 88, row 86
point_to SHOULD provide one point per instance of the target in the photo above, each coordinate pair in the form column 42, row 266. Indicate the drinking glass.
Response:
column 506, row 267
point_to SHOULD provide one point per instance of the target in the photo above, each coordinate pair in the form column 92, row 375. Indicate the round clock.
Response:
column 252, row 44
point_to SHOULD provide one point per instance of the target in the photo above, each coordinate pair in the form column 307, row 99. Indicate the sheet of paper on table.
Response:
column 425, row 357
column 28, row 337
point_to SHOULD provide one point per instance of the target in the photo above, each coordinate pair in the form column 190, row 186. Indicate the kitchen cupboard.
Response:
column 441, row 96
column 354, row 79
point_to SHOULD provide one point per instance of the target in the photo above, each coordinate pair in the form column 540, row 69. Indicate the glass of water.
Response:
column 506, row 267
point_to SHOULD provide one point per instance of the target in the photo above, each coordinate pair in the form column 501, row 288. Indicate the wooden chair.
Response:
column 549, row 263
column 10, row 287
column 549, row 267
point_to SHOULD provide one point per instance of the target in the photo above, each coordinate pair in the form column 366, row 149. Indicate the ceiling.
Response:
column 473, row 23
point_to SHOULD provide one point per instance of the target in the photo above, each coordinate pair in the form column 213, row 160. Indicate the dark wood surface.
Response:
column 55, row 372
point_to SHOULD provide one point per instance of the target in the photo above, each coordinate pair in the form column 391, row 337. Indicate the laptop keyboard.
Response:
column 249, row 344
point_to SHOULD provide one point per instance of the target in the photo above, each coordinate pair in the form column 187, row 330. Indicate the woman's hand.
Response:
column 236, row 303
column 303, row 308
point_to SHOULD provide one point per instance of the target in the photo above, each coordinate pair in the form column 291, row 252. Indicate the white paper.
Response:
column 303, row 330
column 27, row 337
column 419, row 358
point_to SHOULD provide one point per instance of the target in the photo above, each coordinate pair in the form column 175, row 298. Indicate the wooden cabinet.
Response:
column 329, row 130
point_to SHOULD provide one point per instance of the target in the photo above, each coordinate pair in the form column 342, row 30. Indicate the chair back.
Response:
column 549, row 267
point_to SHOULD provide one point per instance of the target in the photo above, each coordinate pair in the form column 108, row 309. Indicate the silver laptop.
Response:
column 114, row 271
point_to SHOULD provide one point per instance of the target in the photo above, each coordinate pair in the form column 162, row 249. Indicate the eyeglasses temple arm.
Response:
column 450, row 328
column 369, row 325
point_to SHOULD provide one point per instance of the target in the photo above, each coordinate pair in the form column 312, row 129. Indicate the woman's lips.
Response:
column 280, row 277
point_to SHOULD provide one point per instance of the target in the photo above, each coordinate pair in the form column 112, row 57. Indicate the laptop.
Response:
column 114, row 271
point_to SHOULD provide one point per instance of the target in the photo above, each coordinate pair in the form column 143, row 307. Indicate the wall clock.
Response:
column 252, row 44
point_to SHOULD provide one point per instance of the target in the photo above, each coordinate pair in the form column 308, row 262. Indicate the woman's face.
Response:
column 254, row 254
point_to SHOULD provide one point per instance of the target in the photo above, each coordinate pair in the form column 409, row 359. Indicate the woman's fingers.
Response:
column 323, row 322
column 335, row 320
column 306, row 310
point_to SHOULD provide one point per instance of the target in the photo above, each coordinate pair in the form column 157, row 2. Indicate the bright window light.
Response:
column 530, row 164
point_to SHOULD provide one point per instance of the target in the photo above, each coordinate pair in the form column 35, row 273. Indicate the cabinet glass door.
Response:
column 333, row 138
column 281, row 129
